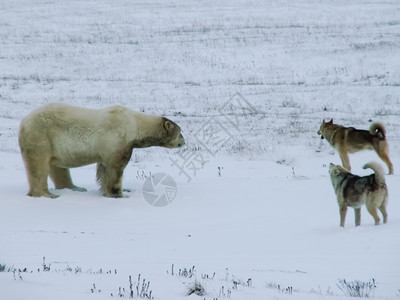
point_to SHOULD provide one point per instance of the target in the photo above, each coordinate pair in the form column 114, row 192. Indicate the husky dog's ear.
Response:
column 334, row 170
column 331, row 121
column 323, row 122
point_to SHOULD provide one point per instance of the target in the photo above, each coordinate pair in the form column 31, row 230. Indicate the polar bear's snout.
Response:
column 181, row 140
column 176, row 142
column 174, row 137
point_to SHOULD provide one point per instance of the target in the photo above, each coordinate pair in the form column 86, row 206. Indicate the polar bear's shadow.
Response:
column 92, row 192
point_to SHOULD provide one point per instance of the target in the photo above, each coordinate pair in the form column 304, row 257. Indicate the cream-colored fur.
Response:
column 56, row 137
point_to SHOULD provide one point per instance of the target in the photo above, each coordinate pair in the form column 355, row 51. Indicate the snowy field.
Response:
column 254, row 215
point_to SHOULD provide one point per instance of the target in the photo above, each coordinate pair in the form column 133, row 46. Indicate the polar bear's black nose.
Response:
column 182, row 140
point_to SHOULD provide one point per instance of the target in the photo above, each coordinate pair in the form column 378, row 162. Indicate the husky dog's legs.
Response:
column 343, row 211
column 385, row 157
column 344, row 157
column 373, row 212
column 357, row 214
column 382, row 209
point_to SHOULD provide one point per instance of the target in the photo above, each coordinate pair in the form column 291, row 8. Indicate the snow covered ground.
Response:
column 254, row 216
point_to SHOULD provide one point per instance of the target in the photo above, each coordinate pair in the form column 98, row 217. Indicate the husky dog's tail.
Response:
column 379, row 173
column 377, row 129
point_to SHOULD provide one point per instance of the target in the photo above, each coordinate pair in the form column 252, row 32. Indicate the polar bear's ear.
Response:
column 168, row 125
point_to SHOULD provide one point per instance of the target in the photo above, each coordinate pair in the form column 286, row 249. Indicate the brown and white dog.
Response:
column 349, row 140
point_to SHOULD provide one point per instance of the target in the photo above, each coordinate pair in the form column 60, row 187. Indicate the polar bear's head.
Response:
column 173, row 137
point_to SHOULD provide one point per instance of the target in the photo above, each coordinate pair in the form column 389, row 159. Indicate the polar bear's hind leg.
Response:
column 38, row 171
column 61, row 178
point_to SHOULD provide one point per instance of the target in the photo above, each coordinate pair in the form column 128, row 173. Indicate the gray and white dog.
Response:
column 354, row 191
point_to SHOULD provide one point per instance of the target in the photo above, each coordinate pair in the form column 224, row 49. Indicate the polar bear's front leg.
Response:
column 110, row 179
column 111, row 169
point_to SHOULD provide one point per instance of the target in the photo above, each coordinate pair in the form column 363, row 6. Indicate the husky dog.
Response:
column 352, row 190
column 349, row 140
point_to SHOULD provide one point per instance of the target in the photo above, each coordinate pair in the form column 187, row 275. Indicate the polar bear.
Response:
column 56, row 137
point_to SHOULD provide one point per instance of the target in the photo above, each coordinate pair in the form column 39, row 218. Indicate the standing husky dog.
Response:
column 349, row 140
column 352, row 190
